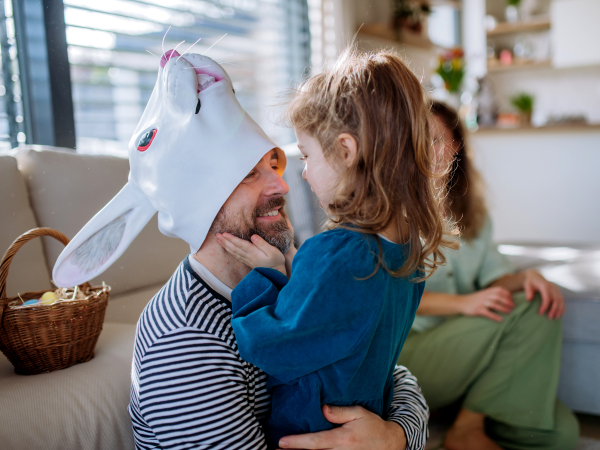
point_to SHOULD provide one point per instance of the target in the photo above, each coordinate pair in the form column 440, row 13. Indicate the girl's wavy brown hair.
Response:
column 465, row 196
column 376, row 99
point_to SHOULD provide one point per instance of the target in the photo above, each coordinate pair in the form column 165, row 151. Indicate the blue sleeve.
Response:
column 290, row 329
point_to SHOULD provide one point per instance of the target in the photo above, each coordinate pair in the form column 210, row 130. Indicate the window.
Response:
column 114, row 46
column 11, row 106
column 443, row 27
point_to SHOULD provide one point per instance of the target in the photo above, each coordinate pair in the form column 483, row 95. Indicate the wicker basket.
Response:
column 44, row 338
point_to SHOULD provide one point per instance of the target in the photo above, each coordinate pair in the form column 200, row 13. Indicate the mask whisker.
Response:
column 230, row 63
column 163, row 40
column 188, row 49
column 175, row 49
column 214, row 44
column 152, row 54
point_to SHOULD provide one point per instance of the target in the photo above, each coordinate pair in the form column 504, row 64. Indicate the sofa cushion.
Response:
column 67, row 189
column 28, row 270
column 81, row 407
column 127, row 308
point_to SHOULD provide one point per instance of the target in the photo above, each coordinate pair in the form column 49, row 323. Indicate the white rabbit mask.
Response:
column 193, row 145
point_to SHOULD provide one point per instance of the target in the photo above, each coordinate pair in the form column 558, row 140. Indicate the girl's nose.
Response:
column 304, row 174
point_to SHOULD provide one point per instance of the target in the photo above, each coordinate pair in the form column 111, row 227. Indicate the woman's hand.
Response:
column 552, row 300
column 257, row 253
column 483, row 303
column 361, row 430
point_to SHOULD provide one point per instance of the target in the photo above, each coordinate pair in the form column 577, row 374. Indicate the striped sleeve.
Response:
column 193, row 394
column 409, row 409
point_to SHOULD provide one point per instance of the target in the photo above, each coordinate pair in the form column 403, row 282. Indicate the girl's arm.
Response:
column 292, row 328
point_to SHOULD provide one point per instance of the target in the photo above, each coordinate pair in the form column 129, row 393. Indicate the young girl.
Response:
column 331, row 334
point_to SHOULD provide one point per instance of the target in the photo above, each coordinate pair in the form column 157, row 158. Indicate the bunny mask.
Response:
column 193, row 145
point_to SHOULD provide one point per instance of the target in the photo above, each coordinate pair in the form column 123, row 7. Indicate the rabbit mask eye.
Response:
column 146, row 140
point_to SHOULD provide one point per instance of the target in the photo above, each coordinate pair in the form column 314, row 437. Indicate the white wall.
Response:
column 557, row 91
column 542, row 186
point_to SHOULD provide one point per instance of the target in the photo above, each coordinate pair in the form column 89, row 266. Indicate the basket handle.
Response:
column 17, row 244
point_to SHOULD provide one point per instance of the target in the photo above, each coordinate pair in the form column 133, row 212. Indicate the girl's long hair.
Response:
column 465, row 195
column 376, row 99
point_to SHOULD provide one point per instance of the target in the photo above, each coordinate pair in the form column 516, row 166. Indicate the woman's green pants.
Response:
column 507, row 371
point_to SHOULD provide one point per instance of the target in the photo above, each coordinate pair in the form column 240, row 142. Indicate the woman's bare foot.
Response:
column 468, row 433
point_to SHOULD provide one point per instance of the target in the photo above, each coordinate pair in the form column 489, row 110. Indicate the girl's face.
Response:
column 321, row 176
column 444, row 146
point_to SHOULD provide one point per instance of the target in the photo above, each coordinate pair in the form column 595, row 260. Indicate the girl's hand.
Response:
column 552, row 300
column 257, row 253
column 483, row 303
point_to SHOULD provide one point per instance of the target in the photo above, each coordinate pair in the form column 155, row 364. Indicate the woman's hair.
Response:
column 464, row 187
column 376, row 99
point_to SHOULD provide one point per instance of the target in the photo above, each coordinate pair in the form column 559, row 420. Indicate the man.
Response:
column 191, row 389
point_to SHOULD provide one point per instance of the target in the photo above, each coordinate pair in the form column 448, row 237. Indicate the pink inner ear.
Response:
column 205, row 70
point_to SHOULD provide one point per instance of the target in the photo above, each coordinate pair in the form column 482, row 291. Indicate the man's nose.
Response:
column 277, row 185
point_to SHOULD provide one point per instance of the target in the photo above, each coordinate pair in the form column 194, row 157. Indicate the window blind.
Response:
column 11, row 105
column 114, row 46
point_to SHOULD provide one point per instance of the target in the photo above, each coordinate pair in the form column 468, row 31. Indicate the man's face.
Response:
column 256, row 206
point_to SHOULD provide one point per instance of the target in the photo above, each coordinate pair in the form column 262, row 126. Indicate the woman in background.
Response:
column 485, row 335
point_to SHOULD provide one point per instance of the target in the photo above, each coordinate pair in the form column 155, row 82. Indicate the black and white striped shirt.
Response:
column 191, row 390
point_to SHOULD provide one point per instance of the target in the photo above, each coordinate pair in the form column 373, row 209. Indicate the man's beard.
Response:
column 277, row 234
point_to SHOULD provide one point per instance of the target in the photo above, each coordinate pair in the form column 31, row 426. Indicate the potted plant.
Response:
column 524, row 103
column 451, row 68
column 410, row 14
column 512, row 10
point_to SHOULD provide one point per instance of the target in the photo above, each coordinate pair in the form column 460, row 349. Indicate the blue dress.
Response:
column 329, row 335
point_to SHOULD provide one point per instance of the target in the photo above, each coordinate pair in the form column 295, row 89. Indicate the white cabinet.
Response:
column 575, row 32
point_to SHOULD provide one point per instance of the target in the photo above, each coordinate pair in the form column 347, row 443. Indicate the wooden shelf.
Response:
column 497, row 68
column 453, row 3
column 567, row 127
column 520, row 27
column 384, row 32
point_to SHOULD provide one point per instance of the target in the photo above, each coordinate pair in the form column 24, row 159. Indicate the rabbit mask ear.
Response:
column 104, row 238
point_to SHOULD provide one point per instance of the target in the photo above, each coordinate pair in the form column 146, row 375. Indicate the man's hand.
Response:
column 257, row 253
column 483, row 303
column 552, row 300
column 361, row 430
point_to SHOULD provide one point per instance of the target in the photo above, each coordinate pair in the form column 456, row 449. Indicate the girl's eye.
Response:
column 146, row 140
column 303, row 158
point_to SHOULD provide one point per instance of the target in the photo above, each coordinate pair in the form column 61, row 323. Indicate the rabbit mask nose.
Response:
column 167, row 56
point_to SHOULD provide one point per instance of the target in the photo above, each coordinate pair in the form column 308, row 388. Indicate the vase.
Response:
column 526, row 119
column 512, row 14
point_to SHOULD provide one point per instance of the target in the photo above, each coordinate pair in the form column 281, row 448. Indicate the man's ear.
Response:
column 349, row 148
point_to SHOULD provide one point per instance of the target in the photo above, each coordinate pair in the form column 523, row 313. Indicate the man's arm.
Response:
column 409, row 409
column 405, row 428
column 193, row 394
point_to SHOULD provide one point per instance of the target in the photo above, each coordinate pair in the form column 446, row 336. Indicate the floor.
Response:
column 590, row 432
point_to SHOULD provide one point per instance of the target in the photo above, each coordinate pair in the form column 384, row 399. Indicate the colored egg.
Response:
column 48, row 297
column 31, row 302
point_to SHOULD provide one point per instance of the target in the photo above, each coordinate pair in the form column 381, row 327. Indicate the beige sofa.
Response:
column 85, row 406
